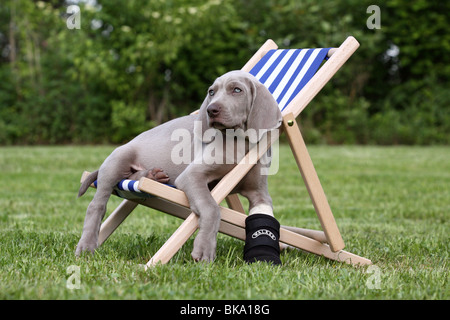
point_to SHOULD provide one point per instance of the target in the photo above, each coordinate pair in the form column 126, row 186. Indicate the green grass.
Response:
column 391, row 205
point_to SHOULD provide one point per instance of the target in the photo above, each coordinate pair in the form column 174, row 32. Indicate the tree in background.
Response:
column 134, row 64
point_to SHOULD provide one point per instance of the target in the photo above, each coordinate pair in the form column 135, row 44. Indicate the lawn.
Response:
column 391, row 205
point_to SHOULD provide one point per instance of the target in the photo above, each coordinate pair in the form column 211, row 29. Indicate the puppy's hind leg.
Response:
column 108, row 177
column 94, row 216
column 156, row 174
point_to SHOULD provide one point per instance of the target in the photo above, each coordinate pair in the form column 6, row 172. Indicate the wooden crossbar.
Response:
column 238, row 219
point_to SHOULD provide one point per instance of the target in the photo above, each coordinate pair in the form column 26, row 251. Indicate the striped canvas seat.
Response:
column 129, row 189
column 286, row 71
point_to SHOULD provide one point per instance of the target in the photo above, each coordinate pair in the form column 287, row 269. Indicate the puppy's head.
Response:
column 237, row 100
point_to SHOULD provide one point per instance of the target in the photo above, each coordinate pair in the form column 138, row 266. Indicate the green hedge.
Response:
column 134, row 64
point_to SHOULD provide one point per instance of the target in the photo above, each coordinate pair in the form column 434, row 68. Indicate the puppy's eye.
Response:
column 211, row 92
column 237, row 90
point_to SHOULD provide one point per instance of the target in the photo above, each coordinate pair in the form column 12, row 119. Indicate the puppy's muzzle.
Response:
column 213, row 110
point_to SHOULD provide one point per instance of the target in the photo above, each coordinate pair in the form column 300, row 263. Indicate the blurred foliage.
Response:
column 134, row 64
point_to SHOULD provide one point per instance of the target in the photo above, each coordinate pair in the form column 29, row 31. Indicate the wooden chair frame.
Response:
column 328, row 243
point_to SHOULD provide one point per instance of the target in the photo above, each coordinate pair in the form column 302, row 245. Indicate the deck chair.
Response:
column 291, row 77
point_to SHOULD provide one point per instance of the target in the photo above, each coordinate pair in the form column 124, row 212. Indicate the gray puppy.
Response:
column 235, row 101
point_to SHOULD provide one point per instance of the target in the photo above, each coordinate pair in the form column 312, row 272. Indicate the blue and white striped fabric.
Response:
column 126, row 185
column 286, row 71
column 129, row 189
column 129, row 185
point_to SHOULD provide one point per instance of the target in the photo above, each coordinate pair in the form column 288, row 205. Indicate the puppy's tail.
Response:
column 87, row 182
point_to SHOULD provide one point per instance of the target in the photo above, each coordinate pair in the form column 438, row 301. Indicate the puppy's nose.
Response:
column 213, row 110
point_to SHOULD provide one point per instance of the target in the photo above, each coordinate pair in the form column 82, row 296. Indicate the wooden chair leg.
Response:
column 175, row 242
column 115, row 219
column 312, row 183
column 235, row 203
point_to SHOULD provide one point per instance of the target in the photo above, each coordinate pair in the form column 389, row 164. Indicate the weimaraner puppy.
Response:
column 235, row 101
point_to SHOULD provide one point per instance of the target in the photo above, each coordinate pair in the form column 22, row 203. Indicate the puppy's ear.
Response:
column 202, row 124
column 264, row 112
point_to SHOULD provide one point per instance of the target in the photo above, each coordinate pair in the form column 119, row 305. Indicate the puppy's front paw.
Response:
column 204, row 248
column 85, row 246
